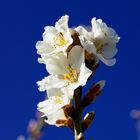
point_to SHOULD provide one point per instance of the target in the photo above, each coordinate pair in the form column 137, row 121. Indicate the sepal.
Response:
column 69, row 111
column 68, row 123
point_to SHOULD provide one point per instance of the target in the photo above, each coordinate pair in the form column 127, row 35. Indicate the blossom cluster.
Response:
column 70, row 56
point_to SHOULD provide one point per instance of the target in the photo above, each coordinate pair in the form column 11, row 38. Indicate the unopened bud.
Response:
column 88, row 120
column 93, row 93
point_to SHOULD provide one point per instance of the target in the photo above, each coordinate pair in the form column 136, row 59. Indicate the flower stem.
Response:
column 78, row 117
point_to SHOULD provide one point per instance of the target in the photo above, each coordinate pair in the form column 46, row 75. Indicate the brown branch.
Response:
column 77, row 121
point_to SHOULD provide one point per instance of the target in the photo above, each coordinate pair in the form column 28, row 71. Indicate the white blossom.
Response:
column 55, row 39
column 101, row 41
column 66, row 73
column 64, row 57
column 52, row 107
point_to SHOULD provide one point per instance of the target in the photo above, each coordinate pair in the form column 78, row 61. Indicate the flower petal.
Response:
column 109, row 51
column 108, row 62
column 49, row 34
column 54, row 92
column 76, row 57
column 90, row 47
column 53, row 118
column 69, row 90
column 62, row 24
column 84, row 74
column 51, row 82
column 82, row 31
column 53, row 104
column 56, row 64
column 43, row 48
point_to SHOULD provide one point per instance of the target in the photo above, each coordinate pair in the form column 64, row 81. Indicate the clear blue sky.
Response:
column 21, row 25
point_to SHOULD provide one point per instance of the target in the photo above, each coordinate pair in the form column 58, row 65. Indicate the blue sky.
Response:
column 21, row 26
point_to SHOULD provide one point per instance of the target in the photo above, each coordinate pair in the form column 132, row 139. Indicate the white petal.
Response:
column 56, row 64
column 99, row 29
column 46, row 107
column 109, row 51
column 86, row 39
column 41, row 61
column 90, row 47
column 114, row 38
column 97, row 24
column 59, row 92
column 62, row 24
column 51, row 82
column 49, row 34
column 59, row 115
column 43, row 48
column 108, row 62
column 81, row 30
column 84, row 33
column 53, row 104
column 54, row 92
column 69, row 90
column 102, row 31
column 84, row 74
column 76, row 57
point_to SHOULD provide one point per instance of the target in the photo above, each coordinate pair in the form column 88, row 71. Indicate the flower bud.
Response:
column 92, row 93
column 88, row 120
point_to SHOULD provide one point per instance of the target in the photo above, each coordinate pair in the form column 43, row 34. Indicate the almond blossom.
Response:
column 101, row 41
column 52, row 107
column 67, row 73
column 55, row 39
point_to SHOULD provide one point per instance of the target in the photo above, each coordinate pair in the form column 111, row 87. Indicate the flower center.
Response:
column 99, row 46
column 60, row 40
column 72, row 76
column 57, row 99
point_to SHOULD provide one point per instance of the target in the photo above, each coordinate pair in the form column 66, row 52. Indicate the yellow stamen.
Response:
column 72, row 76
column 60, row 40
column 57, row 99
column 99, row 46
